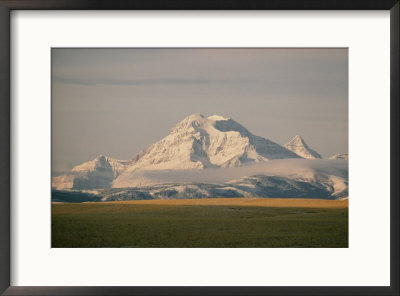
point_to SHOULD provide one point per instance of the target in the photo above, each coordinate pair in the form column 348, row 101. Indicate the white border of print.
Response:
column 365, row 262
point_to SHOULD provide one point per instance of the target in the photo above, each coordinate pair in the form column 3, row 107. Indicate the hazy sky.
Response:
column 118, row 101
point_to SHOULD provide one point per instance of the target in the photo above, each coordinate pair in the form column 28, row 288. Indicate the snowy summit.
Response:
column 299, row 146
column 199, row 142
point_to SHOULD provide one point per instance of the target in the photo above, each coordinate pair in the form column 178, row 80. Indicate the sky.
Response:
column 117, row 102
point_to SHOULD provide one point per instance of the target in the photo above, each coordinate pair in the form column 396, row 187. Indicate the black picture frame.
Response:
column 7, row 6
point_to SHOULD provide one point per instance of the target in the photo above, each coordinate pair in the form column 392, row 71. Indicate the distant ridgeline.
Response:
column 208, row 157
column 73, row 196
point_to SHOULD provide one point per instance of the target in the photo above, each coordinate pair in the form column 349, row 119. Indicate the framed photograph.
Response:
column 201, row 148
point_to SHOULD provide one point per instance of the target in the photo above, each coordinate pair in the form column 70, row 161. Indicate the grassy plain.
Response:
column 221, row 222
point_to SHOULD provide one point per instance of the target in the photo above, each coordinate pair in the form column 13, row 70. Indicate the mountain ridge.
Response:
column 195, row 143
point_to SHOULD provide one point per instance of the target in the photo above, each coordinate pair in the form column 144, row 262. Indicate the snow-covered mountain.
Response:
column 97, row 173
column 117, row 165
column 294, row 178
column 208, row 157
column 340, row 156
column 300, row 147
column 199, row 142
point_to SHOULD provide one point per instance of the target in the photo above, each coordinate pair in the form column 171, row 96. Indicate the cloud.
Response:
column 147, row 81
column 292, row 168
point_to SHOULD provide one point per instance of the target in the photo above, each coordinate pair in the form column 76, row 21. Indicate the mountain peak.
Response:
column 194, row 116
column 199, row 142
column 298, row 139
column 197, row 122
column 217, row 118
column 92, row 165
column 96, row 173
column 300, row 147
column 189, row 123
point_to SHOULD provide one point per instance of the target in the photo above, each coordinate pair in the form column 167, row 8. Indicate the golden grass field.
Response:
column 202, row 223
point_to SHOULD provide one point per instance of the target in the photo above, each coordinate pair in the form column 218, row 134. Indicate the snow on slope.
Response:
column 101, row 162
column 63, row 182
column 276, row 178
column 300, row 147
column 198, row 142
column 340, row 156
column 290, row 178
column 117, row 165
column 97, row 173
column 252, row 186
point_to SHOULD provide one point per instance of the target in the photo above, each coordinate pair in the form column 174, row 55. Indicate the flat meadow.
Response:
column 202, row 223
